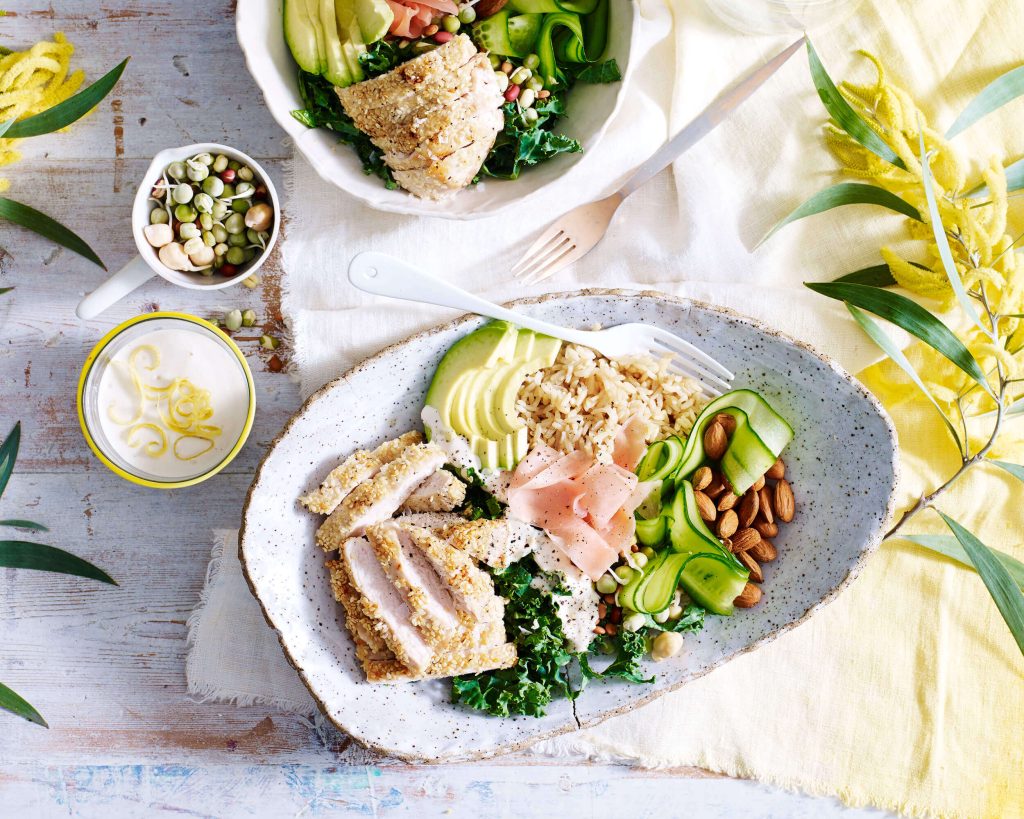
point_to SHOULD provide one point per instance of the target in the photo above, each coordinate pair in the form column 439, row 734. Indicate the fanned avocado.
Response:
column 338, row 70
column 375, row 18
column 300, row 35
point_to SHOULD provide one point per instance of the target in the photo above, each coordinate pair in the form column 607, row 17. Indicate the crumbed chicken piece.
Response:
column 385, row 605
column 370, row 646
column 433, row 608
column 361, row 465
column 430, row 520
column 471, row 661
column 380, row 497
column 434, row 117
column 441, row 492
column 497, row 543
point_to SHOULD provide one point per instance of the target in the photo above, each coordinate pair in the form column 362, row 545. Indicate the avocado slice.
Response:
column 375, row 18
column 300, row 35
column 312, row 14
column 463, row 417
column 484, row 348
column 486, row 450
column 544, row 351
column 337, row 71
column 352, row 41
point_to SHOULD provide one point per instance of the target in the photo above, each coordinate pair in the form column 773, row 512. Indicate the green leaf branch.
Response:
column 21, row 554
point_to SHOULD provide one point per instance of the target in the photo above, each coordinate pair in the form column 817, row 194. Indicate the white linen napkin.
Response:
column 689, row 232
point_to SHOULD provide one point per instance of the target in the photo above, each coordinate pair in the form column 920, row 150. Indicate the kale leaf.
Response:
column 692, row 619
column 382, row 56
column 479, row 503
column 605, row 72
column 323, row 110
column 629, row 648
column 522, row 144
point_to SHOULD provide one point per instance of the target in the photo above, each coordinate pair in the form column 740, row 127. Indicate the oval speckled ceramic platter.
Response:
column 842, row 464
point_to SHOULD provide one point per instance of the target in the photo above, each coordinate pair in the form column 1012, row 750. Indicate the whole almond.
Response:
column 728, row 523
column 702, row 478
column 727, row 501
column 487, row 8
column 755, row 571
column 705, row 506
column 765, row 496
column 783, row 501
column 715, row 441
column 749, row 597
column 764, row 551
column 727, row 421
column 748, row 508
column 758, row 484
column 745, row 539
column 777, row 471
column 766, row 529
column 716, row 487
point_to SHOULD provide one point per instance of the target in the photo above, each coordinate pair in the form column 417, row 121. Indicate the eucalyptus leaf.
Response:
column 942, row 243
column 1008, row 597
column 16, row 523
column 10, row 701
column 8, row 455
column 909, row 315
column 46, row 227
column 4, row 126
column 847, row 193
column 950, row 547
column 1014, row 180
column 847, row 119
column 5, row 290
column 19, row 554
column 69, row 111
column 1014, row 469
column 878, row 275
column 878, row 335
column 994, row 95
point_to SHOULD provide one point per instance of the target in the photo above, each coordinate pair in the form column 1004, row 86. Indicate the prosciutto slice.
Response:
column 585, row 507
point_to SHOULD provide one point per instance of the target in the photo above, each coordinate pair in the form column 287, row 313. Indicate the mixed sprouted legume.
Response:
column 210, row 214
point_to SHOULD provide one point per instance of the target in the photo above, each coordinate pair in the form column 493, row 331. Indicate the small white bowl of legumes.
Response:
column 206, row 216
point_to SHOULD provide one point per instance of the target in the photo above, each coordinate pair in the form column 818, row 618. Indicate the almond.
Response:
column 715, row 441
column 765, row 496
column 749, row 597
column 727, row 501
column 727, row 421
column 758, row 485
column 745, row 539
column 777, row 470
column 784, row 502
column 716, row 487
column 766, row 529
column 755, row 571
column 748, row 509
column 705, row 506
column 487, row 8
column 728, row 523
column 702, row 478
column 764, row 551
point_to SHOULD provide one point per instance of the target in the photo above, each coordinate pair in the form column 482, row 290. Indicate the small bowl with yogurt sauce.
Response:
column 166, row 400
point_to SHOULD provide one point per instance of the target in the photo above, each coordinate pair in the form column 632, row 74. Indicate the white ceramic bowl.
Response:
column 842, row 463
column 589, row 107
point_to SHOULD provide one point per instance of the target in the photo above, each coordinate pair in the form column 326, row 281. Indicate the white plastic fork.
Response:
column 385, row 275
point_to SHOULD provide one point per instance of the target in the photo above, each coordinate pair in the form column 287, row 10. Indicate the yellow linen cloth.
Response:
column 908, row 691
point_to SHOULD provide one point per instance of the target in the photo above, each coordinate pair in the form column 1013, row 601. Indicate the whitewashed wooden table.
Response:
column 106, row 665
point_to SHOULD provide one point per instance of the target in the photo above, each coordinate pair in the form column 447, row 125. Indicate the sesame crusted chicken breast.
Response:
column 435, row 117
column 441, row 492
column 496, row 543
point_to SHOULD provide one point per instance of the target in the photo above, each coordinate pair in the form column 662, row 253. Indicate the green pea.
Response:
column 450, row 24
column 606, row 584
column 219, row 233
column 220, row 164
column 188, row 231
column 158, row 216
column 240, row 205
column 213, row 185
column 236, row 256
column 183, row 213
column 250, row 253
column 220, row 249
column 208, row 239
column 494, row 60
column 234, row 164
column 235, row 223
column 182, row 194
column 467, row 15
column 531, row 61
column 245, row 189
column 206, row 220
column 220, row 210
column 197, row 172
column 176, row 170
column 245, row 173
column 203, row 202
column 625, row 574
column 533, row 84
column 253, row 236
column 237, row 239
column 229, row 191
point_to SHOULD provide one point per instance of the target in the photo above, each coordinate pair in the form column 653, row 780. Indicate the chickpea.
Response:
column 667, row 644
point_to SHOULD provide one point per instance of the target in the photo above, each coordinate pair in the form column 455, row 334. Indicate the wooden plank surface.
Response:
column 106, row 665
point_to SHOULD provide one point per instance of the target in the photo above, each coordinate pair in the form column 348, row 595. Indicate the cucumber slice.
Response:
column 492, row 34
column 661, row 459
column 533, row 6
column 713, row 581
column 651, row 532
column 523, row 30
column 301, row 36
column 747, row 457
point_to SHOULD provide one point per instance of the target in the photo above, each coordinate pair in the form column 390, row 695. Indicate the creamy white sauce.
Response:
column 578, row 610
column 183, row 354
column 459, row 453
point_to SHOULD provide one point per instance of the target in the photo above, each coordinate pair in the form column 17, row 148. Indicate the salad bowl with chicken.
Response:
column 516, row 537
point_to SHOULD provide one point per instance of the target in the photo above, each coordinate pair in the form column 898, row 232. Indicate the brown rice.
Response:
column 582, row 400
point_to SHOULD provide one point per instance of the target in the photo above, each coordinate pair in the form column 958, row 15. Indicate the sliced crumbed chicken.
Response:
column 358, row 467
column 431, row 520
column 430, row 601
column 448, row 664
column 370, row 646
column 434, row 117
column 385, row 606
column 497, row 543
column 380, row 497
column 441, row 492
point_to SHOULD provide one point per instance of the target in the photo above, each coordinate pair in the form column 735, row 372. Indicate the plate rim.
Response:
column 871, row 545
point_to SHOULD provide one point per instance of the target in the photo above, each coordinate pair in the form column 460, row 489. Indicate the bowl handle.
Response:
column 134, row 274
